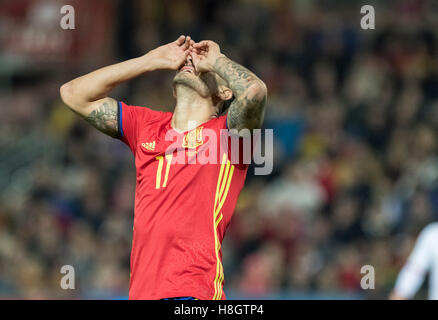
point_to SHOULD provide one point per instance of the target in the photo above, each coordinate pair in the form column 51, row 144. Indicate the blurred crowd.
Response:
column 354, row 114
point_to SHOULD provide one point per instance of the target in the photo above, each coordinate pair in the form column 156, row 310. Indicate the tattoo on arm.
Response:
column 239, row 78
column 247, row 110
column 104, row 118
column 241, row 116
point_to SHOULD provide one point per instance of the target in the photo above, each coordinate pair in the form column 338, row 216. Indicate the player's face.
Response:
column 205, row 84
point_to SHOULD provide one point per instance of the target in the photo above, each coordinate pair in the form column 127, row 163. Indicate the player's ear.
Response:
column 224, row 93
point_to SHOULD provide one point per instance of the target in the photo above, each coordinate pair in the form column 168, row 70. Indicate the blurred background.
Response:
column 355, row 118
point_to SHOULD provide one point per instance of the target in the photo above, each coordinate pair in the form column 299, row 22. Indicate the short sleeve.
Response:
column 131, row 119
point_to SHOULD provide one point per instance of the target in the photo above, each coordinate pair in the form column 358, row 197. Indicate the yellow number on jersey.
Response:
column 160, row 168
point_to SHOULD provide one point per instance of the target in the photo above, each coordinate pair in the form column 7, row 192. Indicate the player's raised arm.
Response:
column 88, row 94
column 247, row 109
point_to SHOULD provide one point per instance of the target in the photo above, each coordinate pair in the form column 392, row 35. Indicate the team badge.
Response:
column 193, row 138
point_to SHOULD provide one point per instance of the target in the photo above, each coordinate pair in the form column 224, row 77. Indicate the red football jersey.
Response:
column 182, row 209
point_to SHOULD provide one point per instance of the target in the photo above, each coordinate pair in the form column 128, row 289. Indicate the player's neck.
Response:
column 191, row 110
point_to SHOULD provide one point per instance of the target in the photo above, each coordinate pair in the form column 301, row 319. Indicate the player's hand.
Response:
column 172, row 55
column 204, row 55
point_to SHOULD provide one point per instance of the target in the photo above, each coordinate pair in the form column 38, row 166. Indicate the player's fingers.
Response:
column 187, row 42
column 195, row 60
column 202, row 44
column 203, row 53
column 195, row 57
column 182, row 59
column 180, row 40
column 191, row 46
column 186, row 54
column 199, row 50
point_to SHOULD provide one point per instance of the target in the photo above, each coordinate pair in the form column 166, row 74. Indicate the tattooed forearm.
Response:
column 245, row 113
column 104, row 118
column 238, row 77
column 247, row 110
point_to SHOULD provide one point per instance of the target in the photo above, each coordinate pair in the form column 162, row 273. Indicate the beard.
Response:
column 193, row 82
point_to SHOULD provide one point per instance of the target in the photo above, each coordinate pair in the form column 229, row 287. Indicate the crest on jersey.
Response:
column 193, row 138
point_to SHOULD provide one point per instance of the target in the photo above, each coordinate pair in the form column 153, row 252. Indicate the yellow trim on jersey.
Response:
column 160, row 167
column 218, row 220
column 221, row 203
column 223, row 186
column 227, row 169
column 214, row 228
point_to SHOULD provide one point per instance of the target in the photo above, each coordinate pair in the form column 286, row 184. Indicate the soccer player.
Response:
column 423, row 259
column 181, row 209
